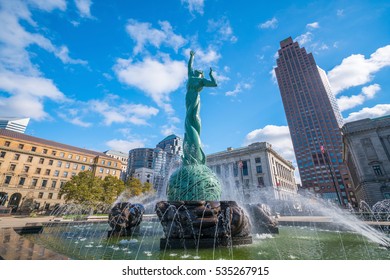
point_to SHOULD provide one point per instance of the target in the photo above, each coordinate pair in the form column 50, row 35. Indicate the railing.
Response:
column 373, row 216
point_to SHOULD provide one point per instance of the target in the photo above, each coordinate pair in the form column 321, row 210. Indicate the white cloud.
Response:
column 137, row 114
column 124, row 145
column 304, row 38
column 84, row 8
column 144, row 34
column 194, row 6
column 49, row 5
column 27, row 95
column 340, row 13
column 239, row 87
column 168, row 129
column 74, row 120
column 269, row 24
column 349, row 102
column 156, row 78
column 19, row 77
column 377, row 111
column 356, row 70
column 273, row 76
column 222, row 28
column 313, row 25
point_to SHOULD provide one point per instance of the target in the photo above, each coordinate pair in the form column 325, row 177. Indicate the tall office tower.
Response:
column 314, row 121
column 14, row 124
column 172, row 144
column 138, row 158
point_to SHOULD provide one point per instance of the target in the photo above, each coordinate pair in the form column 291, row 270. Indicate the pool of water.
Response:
column 89, row 241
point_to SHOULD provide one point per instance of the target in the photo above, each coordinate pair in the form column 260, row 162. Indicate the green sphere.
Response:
column 194, row 182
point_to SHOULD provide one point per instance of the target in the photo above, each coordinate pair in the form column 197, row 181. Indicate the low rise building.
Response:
column 252, row 168
column 35, row 169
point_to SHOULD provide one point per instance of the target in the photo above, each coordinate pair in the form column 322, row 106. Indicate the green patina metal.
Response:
column 194, row 180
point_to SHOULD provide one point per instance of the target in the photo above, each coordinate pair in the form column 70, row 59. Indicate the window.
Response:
column 83, row 167
column 116, row 164
column 67, row 165
column 50, row 196
column 59, row 196
column 70, row 156
column 113, row 172
column 77, row 157
column 44, row 183
column 16, row 156
column 103, row 162
column 53, row 153
column 75, row 166
column 245, row 168
column 12, row 167
column 59, row 163
column 40, row 195
column 33, row 149
column 29, row 159
column 51, row 162
column 7, row 143
column 26, row 168
column 47, row 172
column 34, row 182
column 73, row 174
column 21, row 181
column 258, row 160
column 2, row 154
column 259, row 169
column 377, row 170
column 84, row 159
column 108, row 171
column 56, row 173
column 65, row 174
column 260, row 181
column 101, row 170
column 41, row 160
column 21, row 146
column 109, row 163
column 7, row 180
column 44, row 151
column 62, row 184
column 62, row 154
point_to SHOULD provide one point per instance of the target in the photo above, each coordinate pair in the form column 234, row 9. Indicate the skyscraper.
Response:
column 314, row 121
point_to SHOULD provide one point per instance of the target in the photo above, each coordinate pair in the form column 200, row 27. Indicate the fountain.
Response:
column 197, row 224
column 193, row 216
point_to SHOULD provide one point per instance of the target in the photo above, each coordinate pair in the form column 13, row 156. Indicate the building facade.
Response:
column 314, row 121
column 145, row 175
column 367, row 154
column 124, row 158
column 138, row 158
column 35, row 169
column 14, row 124
column 248, row 170
column 172, row 144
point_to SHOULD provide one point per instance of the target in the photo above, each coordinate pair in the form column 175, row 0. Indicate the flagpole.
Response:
column 325, row 153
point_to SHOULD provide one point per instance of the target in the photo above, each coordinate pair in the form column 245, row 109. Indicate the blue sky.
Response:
column 111, row 74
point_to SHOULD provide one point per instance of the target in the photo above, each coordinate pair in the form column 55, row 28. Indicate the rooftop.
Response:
column 28, row 138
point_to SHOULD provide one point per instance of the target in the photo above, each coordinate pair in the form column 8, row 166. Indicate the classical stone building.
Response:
column 33, row 170
column 248, row 170
column 367, row 154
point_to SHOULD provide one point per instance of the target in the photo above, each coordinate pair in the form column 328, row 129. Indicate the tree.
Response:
column 112, row 188
column 83, row 188
column 134, row 187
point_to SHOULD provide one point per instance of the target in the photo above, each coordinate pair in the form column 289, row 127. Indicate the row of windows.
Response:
column 54, row 153
column 34, row 182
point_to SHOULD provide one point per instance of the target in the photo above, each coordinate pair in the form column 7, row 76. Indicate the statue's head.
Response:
column 198, row 73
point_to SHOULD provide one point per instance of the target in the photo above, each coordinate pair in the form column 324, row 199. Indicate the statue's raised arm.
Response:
column 190, row 62
column 212, row 82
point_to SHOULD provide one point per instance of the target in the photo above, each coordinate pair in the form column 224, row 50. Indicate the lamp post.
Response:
column 325, row 153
